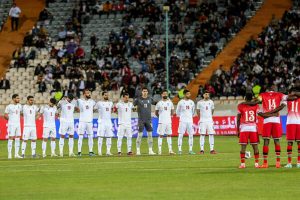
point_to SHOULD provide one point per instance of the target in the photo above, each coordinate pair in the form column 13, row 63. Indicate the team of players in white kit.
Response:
column 66, row 107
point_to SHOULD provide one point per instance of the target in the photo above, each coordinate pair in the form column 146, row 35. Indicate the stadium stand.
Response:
column 270, row 59
column 5, row 5
column 130, row 47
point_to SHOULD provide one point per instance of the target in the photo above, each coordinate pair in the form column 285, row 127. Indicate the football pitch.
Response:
column 148, row 177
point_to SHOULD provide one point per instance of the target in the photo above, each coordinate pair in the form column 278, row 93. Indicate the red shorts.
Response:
column 273, row 130
column 293, row 132
column 251, row 137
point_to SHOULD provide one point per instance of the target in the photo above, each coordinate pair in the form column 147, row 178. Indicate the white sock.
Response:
column 80, row 140
column 150, row 141
column 17, row 146
column 53, row 146
column 139, row 140
column 61, row 145
column 159, row 141
column 191, row 140
column 24, row 144
column 180, row 136
column 202, row 141
column 119, row 144
column 44, row 146
column 169, row 141
column 71, row 145
column 108, row 145
column 9, row 146
column 129, row 144
column 33, row 148
column 91, row 143
column 100, row 142
column 211, row 142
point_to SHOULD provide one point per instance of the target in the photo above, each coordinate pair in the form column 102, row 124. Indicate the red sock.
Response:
column 298, row 153
column 242, row 155
column 277, row 151
column 265, row 153
column 289, row 152
column 256, row 157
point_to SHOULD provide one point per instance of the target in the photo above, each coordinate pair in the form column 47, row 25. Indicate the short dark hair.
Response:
column 53, row 101
column 71, row 96
column 185, row 91
column 144, row 88
column 164, row 91
column 104, row 92
column 85, row 90
column 30, row 97
column 14, row 96
column 206, row 91
column 249, row 96
column 293, row 89
column 125, row 94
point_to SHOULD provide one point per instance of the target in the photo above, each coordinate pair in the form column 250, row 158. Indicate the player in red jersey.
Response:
column 293, row 126
column 247, row 128
column 272, row 102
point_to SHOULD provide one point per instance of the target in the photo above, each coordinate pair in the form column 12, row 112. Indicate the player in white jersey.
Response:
column 105, row 108
column 185, row 110
column 86, row 111
column 124, row 109
column 205, row 111
column 164, row 109
column 49, row 127
column 12, row 114
column 66, row 106
column 30, row 113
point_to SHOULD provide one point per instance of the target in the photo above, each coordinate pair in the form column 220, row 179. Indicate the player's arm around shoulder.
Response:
column 135, row 105
column 178, row 108
column 77, row 105
column 198, row 106
column 157, row 106
column 38, row 112
column 6, row 112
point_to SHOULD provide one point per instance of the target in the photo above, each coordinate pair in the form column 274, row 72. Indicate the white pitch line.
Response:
column 100, row 162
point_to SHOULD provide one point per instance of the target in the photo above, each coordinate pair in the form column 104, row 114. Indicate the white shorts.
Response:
column 186, row 127
column 124, row 130
column 85, row 127
column 49, row 132
column 206, row 127
column 164, row 129
column 29, row 133
column 105, row 130
column 14, row 130
column 66, row 128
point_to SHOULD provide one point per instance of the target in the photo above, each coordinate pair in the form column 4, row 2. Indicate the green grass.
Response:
column 147, row 177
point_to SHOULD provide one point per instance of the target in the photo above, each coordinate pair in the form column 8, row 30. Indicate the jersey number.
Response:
column 145, row 105
column 272, row 104
column 30, row 111
column 107, row 109
column 294, row 107
column 187, row 107
column 87, row 107
column 250, row 116
column 166, row 108
column 69, row 107
column 126, row 109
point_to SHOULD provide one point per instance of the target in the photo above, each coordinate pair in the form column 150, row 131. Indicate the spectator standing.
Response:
column 14, row 13
column 4, row 84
